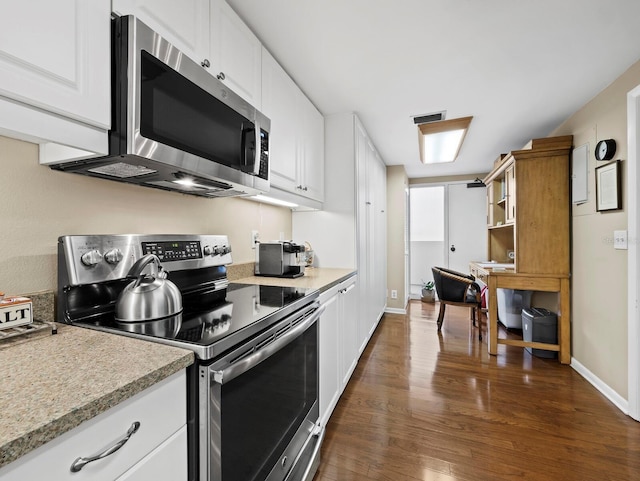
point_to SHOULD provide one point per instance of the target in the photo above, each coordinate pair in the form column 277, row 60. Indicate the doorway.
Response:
column 447, row 228
column 426, row 234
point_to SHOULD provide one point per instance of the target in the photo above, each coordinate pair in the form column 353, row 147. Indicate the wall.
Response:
column 39, row 205
column 599, row 272
column 397, row 230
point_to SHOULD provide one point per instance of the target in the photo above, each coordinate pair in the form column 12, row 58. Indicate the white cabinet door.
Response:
column 371, row 220
column 55, row 56
column 280, row 104
column 312, row 150
column 185, row 24
column 379, row 251
column 330, row 378
column 236, row 53
column 338, row 340
column 348, row 328
column 168, row 462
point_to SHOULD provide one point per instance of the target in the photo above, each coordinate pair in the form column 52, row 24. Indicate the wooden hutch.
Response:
column 528, row 229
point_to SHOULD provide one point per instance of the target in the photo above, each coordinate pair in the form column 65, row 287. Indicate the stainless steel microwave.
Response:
column 174, row 125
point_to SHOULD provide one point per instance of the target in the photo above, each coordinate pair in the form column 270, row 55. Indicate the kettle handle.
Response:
column 140, row 264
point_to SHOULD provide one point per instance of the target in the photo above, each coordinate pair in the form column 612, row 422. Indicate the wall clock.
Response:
column 605, row 149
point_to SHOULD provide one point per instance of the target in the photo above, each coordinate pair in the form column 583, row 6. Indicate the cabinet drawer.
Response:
column 168, row 462
column 160, row 410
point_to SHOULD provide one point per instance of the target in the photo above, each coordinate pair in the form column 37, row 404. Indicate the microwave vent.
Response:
column 122, row 170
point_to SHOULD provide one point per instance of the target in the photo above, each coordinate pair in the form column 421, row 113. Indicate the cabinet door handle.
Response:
column 347, row 289
column 221, row 76
column 205, row 63
column 81, row 462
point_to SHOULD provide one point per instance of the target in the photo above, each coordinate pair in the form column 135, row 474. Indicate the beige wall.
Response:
column 39, row 204
column 397, row 184
column 599, row 272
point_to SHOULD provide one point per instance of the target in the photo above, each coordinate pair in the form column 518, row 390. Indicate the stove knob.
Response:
column 91, row 258
column 113, row 256
column 207, row 251
column 216, row 251
column 225, row 250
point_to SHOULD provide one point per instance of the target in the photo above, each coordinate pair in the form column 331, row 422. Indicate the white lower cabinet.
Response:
column 157, row 450
column 338, row 344
column 168, row 461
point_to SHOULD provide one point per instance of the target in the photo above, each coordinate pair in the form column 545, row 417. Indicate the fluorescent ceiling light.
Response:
column 271, row 200
column 441, row 141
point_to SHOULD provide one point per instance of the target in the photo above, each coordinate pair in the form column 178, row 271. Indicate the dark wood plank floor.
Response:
column 423, row 406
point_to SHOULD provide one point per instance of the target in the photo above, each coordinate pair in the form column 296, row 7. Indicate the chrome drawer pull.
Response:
column 80, row 463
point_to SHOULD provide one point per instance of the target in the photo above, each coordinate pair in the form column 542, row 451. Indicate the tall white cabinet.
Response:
column 350, row 231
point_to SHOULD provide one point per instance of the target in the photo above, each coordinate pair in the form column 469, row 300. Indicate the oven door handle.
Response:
column 242, row 366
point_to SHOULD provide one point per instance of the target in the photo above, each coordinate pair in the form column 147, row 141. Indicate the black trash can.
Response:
column 540, row 325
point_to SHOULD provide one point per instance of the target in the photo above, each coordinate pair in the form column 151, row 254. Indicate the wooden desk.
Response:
column 509, row 279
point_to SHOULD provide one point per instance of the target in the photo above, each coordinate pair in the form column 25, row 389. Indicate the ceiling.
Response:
column 519, row 68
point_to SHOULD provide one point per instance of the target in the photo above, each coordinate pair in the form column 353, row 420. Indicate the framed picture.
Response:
column 608, row 187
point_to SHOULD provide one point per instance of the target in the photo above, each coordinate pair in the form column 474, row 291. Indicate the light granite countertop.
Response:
column 321, row 278
column 51, row 384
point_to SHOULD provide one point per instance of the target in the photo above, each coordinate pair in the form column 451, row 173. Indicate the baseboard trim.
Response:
column 394, row 310
column 596, row 382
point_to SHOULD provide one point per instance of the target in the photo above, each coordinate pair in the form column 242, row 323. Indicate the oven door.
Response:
column 258, row 405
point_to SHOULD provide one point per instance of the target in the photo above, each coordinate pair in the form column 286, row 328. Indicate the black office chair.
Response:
column 457, row 289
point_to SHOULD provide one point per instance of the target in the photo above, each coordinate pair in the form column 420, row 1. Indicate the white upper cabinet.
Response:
column 280, row 104
column 185, row 24
column 210, row 33
column 296, row 149
column 55, row 56
column 236, row 53
column 312, row 145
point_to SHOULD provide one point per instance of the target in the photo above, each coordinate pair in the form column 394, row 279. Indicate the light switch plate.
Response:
column 620, row 239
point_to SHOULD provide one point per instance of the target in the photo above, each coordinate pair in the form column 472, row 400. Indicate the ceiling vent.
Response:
column 426, row 118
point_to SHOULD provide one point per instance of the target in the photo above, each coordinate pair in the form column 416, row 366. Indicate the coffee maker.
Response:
column 280, row 259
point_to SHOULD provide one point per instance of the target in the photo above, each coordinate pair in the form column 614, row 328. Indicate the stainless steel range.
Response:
column 253, row 392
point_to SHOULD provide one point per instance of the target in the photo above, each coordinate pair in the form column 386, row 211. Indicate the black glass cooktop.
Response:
column 214, row 321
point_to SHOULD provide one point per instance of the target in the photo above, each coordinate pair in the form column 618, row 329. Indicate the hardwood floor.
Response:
column 423, row 406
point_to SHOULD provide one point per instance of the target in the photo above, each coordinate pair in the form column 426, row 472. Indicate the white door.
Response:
column 467, row 226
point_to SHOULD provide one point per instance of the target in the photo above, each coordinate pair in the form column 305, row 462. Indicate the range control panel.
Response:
column 173, row 250
column 99, row 258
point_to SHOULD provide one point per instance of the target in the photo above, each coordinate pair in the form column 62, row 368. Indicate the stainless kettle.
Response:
column 149, row 297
